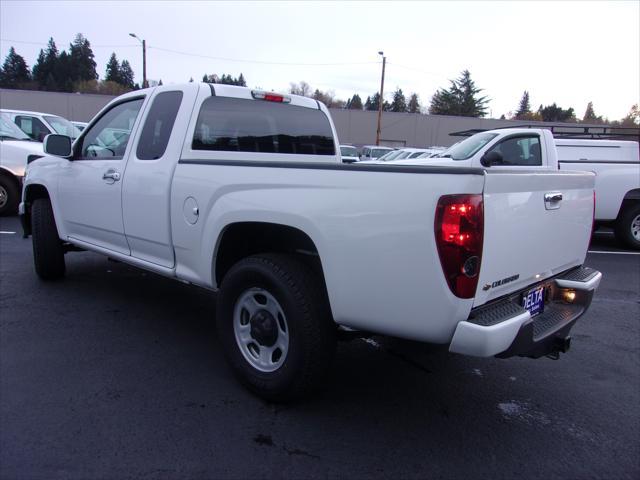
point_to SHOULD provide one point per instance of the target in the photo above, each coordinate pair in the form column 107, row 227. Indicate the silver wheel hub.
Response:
column 261, row 330
column 3, row 196
column 635, row 227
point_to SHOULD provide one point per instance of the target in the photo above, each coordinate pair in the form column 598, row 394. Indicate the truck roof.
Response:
column 28, row 112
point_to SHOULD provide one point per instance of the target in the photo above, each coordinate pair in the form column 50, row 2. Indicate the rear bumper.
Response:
column 504, row 328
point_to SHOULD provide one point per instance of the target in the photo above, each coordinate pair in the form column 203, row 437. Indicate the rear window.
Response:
column 238, row 125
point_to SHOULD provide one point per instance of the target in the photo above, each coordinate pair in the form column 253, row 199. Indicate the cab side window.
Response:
column 521, row 150
column 32, row 127
column 108, row 138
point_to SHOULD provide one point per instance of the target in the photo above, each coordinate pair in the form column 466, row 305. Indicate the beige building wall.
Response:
column 354, row 127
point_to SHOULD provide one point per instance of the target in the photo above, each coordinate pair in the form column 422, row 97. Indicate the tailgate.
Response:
column 528, row 239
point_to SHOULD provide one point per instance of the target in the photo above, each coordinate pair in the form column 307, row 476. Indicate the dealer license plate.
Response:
column 533, row 300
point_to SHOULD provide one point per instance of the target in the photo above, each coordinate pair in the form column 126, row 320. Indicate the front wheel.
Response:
column 48, row 253
column 275, row 327
column 627, row 226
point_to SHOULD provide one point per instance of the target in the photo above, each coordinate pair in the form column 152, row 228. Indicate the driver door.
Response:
column 90, row 184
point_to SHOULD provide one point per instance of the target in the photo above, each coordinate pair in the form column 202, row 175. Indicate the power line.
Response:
column 210, row 57
column 39, row 44
column 262, row 62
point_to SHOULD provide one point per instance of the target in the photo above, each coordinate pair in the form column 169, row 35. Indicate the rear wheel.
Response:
column 275, row 327
column 9, row 196
column 627, row 226
column 48, row 254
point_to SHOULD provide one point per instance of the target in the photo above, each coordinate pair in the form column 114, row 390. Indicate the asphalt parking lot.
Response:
column 116, row 373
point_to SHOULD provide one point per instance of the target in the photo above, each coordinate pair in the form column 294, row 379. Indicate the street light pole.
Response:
column 144, row 59
column 380, row 101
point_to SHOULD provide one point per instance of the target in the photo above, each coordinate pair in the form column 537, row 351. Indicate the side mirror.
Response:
column 58, row 145
column 491, row 158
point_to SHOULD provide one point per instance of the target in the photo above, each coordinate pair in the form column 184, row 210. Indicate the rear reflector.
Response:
column 459, row 228
column 270, row 97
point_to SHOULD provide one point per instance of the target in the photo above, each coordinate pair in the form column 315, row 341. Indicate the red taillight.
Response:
column 270, row 97
column 459, row 227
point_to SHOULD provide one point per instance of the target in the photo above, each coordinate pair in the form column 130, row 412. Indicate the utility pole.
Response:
column 381, row 101
column 144, row 59
column 144, row 64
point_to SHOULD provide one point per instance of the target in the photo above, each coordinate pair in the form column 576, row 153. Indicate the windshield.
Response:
column 347, row 151
column 468, row 147
column 9, row 130
column 392, row 155
column 378, row 152
column 403, row 154
column 63, row 126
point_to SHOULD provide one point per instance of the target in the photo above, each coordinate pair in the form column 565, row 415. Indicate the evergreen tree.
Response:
column 590, row 115
column 112, row 73
column 191, row 80
column 63, row 73
column 241, row 82
column 460, row 99
column 14, row 73
column 554, row 113
column 82, row 62
column 524, row 109
column 355, row 102
column 160, row 83
column 37, row 73
column 373, row 102
column 399, row 103
column 126, row 75
column 414, row 104
column 205, row 78
column 44, row 70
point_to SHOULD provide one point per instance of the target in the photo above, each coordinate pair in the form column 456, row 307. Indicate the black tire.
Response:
column 627, row 223
column 9, row 196
column 311, row 330
column 48, row 253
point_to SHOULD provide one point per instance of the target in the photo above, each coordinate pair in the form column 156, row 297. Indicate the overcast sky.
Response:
column 569, row 53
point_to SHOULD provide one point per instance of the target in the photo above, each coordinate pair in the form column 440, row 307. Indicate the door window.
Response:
column 521, row 150
column 109, row 136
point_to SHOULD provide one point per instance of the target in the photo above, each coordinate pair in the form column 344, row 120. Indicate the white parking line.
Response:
column 8, row 233
column 613, row 253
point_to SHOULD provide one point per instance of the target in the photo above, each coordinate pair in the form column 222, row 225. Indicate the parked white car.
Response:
column 373, row 152
column 244, row 192
column 15, row 148
column 349, row 153
column 615, row 162
column 38, row 125
column 408, row 153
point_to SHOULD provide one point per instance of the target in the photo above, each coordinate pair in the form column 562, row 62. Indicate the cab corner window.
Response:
column 108, row 137
column 520, row 150
column 158, row 125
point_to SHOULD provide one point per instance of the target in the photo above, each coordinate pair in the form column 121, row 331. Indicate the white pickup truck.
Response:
column 616, row 164
column 243, row 192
